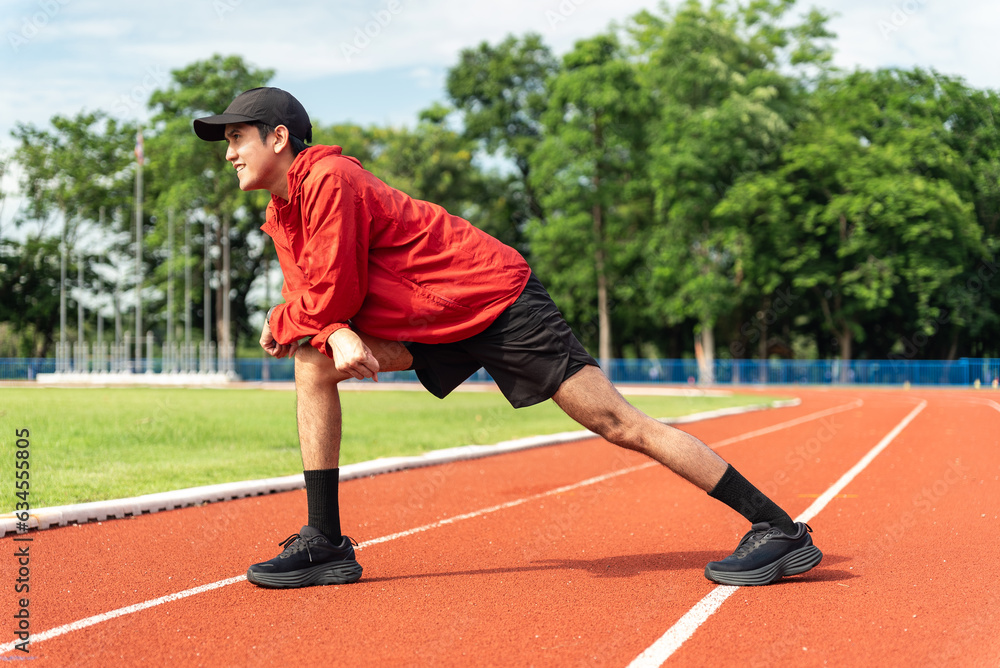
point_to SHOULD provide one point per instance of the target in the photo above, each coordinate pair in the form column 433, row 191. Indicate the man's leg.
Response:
column 319, row 554
column 775, row 546
column 318, row 400
column 589, row 398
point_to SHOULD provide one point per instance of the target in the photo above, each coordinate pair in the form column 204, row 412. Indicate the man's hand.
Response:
column 350, row 354
column 272, row 347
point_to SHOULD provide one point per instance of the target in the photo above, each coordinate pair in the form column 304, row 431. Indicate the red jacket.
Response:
column 353, row 249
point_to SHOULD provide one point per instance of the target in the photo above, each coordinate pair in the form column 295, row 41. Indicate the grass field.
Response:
column 95, row 444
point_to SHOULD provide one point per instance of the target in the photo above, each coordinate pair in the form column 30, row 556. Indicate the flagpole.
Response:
column 170, row 275
column 139, row 159
column 187, row 294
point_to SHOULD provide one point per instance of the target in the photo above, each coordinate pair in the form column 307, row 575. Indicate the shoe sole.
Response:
column 793, row 563
column 344, row 572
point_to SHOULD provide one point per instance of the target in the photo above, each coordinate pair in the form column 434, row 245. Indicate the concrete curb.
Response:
column 98, row 511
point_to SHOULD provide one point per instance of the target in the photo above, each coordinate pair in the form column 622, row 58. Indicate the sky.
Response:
column 382, row 61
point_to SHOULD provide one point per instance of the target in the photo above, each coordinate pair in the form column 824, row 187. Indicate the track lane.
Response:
column 906, row 577
column 169, row 552
column 515, row 574
column 167, row 543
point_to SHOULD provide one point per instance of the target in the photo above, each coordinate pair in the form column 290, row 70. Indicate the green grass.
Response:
column 95, row 444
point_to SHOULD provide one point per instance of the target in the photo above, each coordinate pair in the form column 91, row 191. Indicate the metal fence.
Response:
column 961, row 372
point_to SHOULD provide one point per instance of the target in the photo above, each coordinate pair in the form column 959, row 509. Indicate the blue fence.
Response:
column 962, row 372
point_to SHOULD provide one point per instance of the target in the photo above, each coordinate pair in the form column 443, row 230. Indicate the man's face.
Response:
column 256, row 163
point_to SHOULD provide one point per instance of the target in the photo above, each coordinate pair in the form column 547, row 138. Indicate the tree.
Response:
column 971, row 310
column 866, row 205
column 192, row 178
column 76, row 174
column 3, row 171
column 29, row 283
column 726, row 107
column 589, row 171
column 74, row 169
column 501, row 92
column 430, row 162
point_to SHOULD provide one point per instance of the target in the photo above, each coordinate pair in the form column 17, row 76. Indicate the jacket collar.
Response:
column 301, row 167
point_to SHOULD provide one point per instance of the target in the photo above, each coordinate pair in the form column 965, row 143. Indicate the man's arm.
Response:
column 350, row 354
column 270, row 345
column 333, row 261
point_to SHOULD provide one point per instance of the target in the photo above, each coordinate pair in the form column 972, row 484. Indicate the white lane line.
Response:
column 661, row 650
column 857, row 403
column 985, row 402
column 683, row 629
column 509, row 504
column 837, row 487
column 121, row 612
column 97, row 619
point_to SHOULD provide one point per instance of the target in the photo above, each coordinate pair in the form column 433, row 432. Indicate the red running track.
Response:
column 574, row 555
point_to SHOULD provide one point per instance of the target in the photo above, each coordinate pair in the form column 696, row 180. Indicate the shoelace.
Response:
column 753, row 540
column 757, row 537
column 294, row 544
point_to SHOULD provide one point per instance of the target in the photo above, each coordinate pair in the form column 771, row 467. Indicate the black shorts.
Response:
column 529, row 350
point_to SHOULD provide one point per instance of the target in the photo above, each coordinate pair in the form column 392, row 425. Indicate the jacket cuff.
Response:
column 319, row 340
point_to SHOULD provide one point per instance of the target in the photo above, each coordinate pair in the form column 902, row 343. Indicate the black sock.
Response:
column 739, row 494
column 324, row 505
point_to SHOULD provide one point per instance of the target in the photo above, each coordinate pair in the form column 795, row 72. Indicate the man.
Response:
column 378, row 281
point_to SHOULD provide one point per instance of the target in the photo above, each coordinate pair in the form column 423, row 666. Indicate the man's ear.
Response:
column 281, row 139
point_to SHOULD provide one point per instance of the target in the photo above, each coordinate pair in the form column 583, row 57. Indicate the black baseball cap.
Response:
column 266, row 105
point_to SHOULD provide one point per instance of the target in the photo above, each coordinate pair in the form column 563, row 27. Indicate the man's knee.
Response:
column 616, row 428
column 312, row 366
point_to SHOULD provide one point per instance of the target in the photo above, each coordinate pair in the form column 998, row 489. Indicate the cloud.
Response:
column 91, row 53
column 952, row 38
column 379, row 61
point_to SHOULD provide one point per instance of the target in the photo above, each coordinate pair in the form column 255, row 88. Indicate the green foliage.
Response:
column 501, row 93
column 76, row 177
column 192, row 178
column 726, row 108
column 29, row 283
column 589, row 172
column 75, row 168
column 701, row 174
column 867, row 195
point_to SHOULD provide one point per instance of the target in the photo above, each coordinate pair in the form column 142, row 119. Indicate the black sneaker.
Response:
column 766, row 554
column 309, row 558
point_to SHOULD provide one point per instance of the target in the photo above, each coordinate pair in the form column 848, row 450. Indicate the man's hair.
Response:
column 264, row 130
